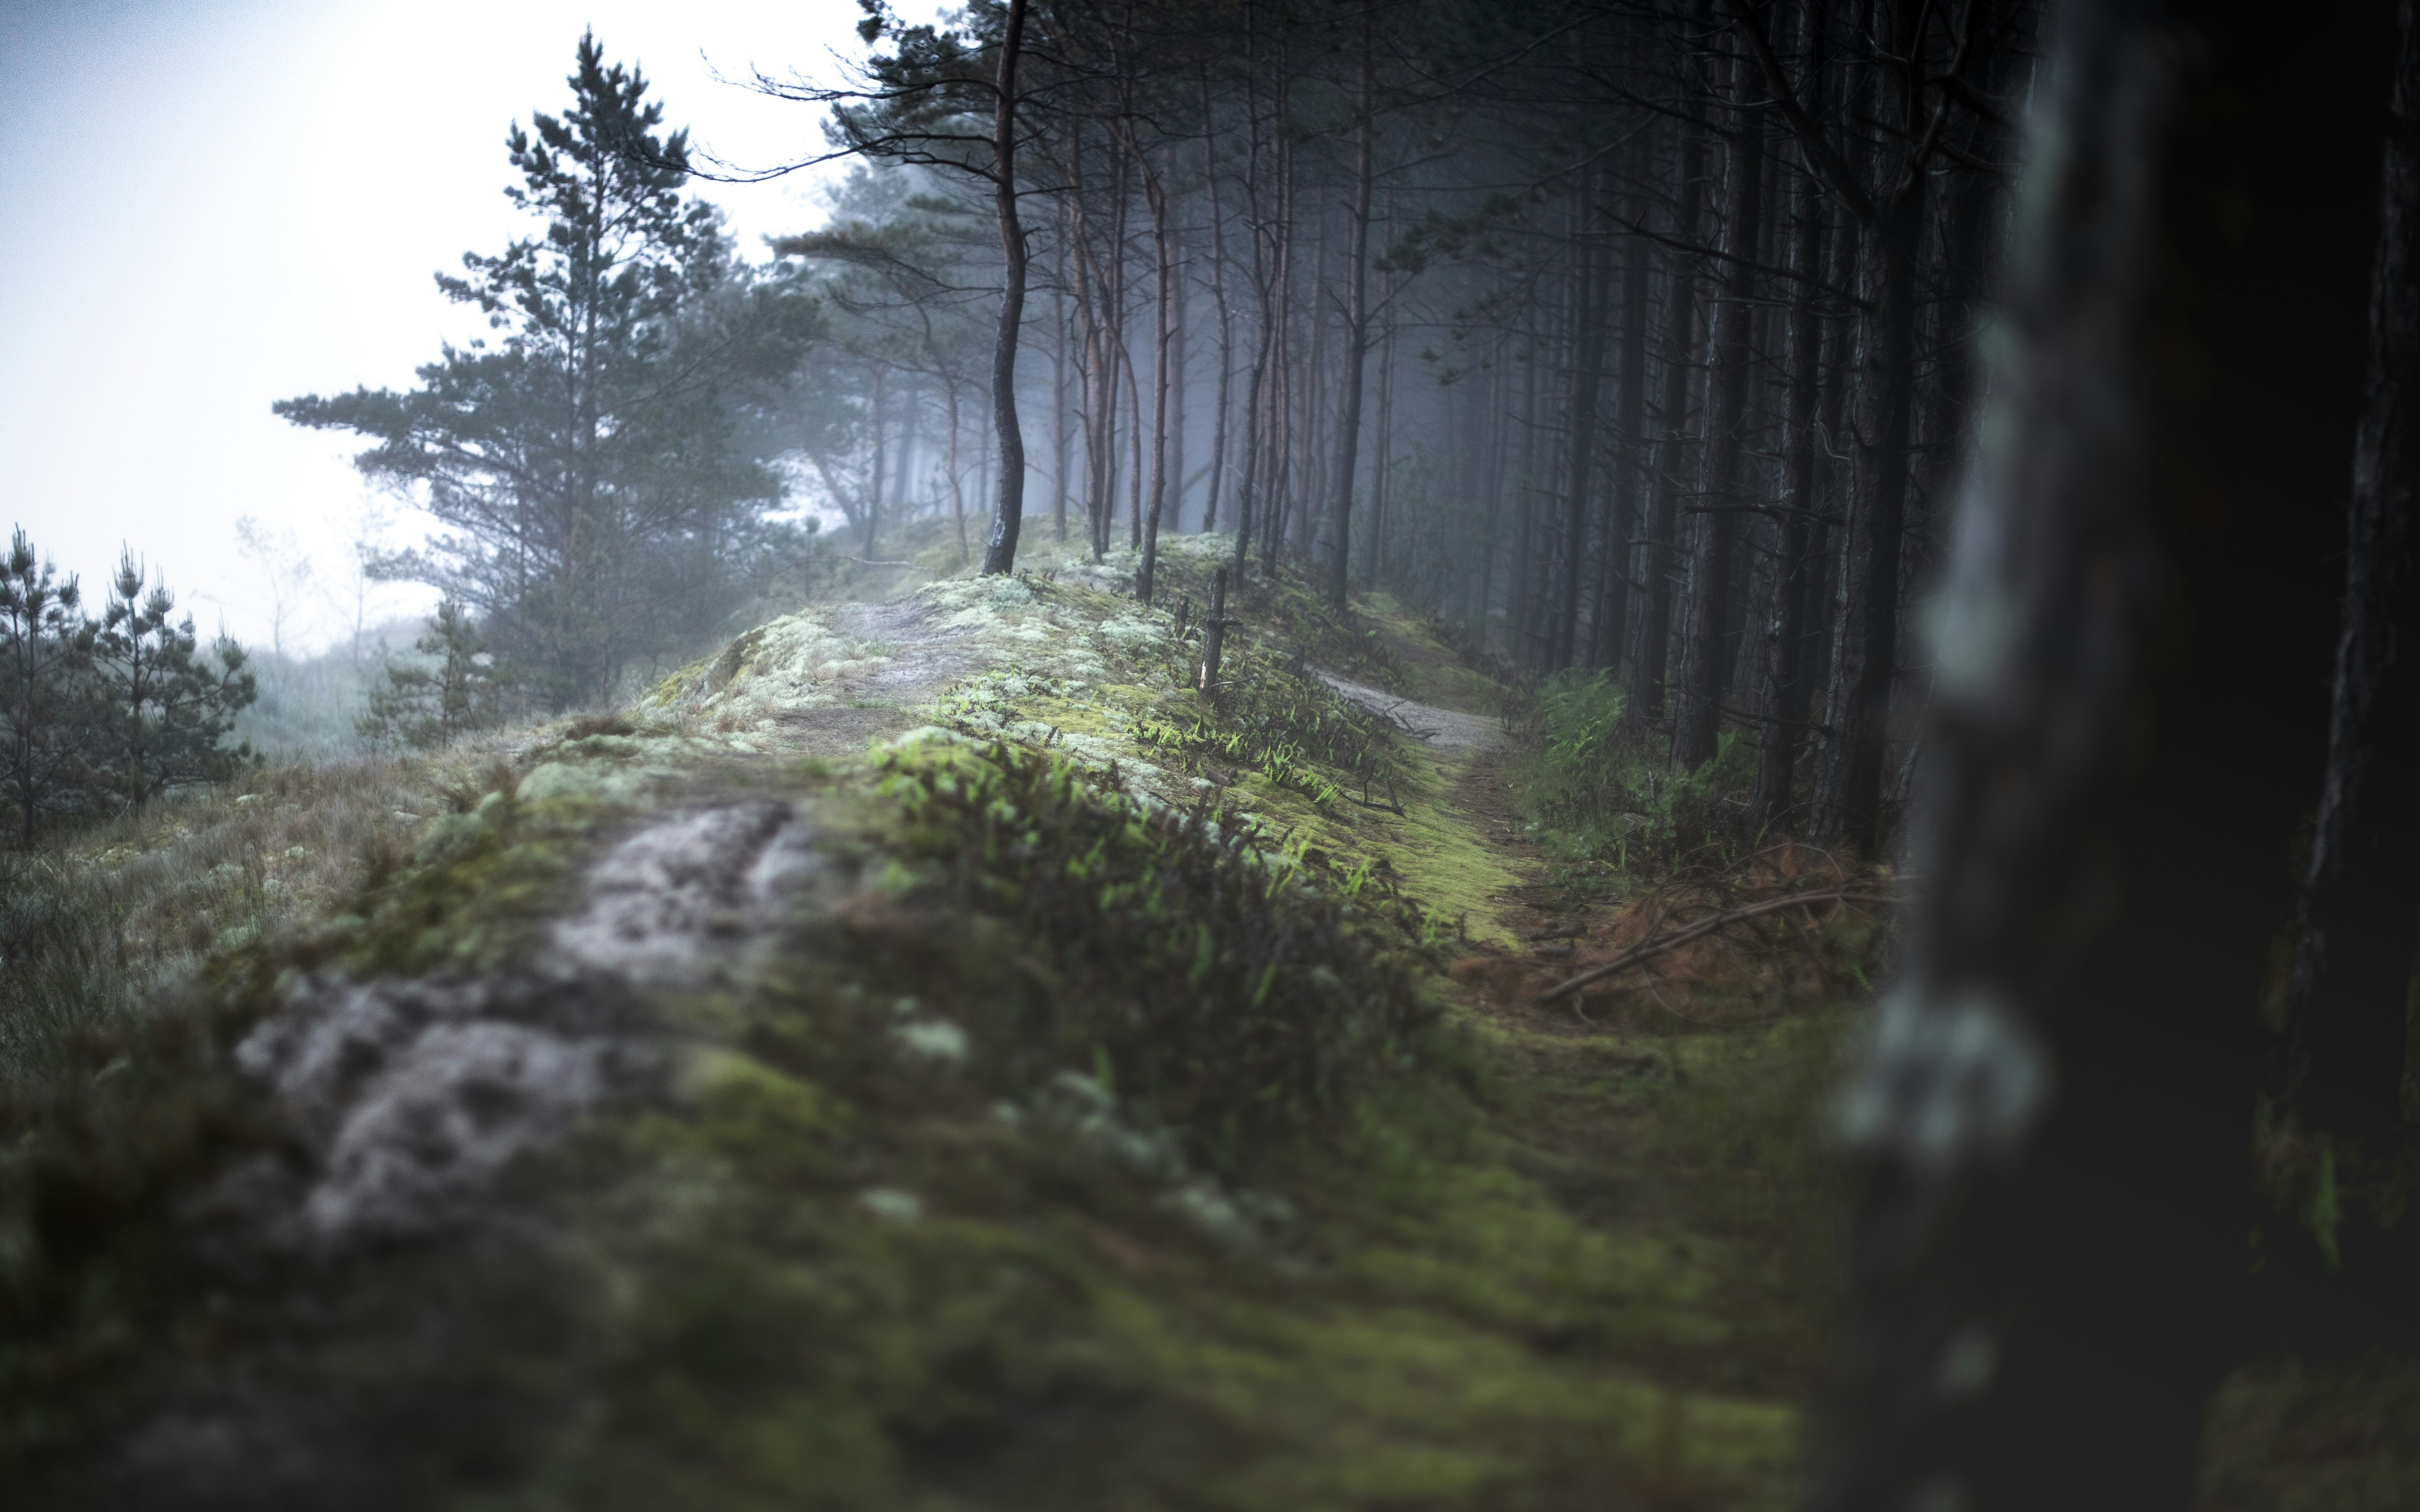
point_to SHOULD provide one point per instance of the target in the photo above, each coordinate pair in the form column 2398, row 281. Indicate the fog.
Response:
column 219, row 205
column 1464, row 753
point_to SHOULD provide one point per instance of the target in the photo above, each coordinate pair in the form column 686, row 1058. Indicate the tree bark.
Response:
column 2360, row 911
column 1008, row 518
column 1356, row 330
column 1059, row 408
column 1647, row 675
column 1214, row 633
column 2054, row 1103
column 1163, row 241
column 1629, row 427
column 1700, row 721
column 1587, row 377
column 1217, row 298
column 1382, row 473
column 1776, row 754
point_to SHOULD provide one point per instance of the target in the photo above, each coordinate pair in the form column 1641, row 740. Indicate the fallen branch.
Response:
column 1657, row 945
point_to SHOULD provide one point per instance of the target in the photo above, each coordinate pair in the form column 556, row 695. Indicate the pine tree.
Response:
column 165, row 708
column 45, row 710
column 596, row 468
column 426, row 706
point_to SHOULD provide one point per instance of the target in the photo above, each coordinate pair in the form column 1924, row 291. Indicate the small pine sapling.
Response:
column 165, row 708
column 460, row 690
column 46, row 710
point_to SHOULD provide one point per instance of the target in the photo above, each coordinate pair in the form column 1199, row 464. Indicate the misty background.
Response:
column 221, row 204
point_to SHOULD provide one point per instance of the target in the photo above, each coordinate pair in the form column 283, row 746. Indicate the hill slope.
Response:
column 922, row 1055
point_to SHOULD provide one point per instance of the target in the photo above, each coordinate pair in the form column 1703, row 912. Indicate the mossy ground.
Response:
column 914, row 1225
column 1505, row 1264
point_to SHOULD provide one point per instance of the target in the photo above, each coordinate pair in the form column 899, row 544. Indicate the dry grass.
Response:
column 102, row 927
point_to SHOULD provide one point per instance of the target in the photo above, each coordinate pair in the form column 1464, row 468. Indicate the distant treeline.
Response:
column 100, row 713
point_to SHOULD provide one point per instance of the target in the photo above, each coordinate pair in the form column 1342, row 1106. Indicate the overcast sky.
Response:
column 211, row 206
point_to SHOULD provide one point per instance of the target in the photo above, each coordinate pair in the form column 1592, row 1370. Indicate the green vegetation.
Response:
column 601, row 466
column 1239, row 995
column 103, row 715
column 1600, row 795
column 456, row 688
column 1091, row 1134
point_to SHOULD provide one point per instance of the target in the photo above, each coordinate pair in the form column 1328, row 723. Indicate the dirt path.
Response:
column 834, row 679
column 1441, row 729
column 700, row 1115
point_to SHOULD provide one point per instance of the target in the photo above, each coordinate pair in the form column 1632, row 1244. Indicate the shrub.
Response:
column 1286, row 727
column 1233, row 993
column 1600, row 788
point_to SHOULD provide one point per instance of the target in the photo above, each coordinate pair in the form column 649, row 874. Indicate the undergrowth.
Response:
column 1232, row 993
column 1283, row 610
column 1289, row 727
column 1599, row 793
column 63, row 961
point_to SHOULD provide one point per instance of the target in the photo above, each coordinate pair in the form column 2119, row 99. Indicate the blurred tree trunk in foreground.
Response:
column 2345, row 1006
column 2054, row 1112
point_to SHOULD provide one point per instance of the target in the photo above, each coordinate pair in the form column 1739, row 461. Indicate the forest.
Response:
column 1351, row 753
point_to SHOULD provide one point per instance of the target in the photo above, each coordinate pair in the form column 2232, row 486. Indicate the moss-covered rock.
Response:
column 1024, row 1111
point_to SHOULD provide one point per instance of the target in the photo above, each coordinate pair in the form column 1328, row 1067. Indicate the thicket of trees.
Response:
column 106, row 714
column 602, row 469
column 1638, row 335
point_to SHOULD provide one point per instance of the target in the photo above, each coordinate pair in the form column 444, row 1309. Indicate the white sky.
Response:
column 220, row 203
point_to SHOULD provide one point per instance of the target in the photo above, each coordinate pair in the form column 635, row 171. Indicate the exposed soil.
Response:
column 1440, row 729
column 918, row 661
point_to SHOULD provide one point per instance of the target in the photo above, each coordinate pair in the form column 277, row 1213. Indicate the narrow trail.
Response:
column 653, row 1036
column 1439, row 728
column 913, row 661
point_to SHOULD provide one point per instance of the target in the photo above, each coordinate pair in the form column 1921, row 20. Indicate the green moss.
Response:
column 1481, row 1264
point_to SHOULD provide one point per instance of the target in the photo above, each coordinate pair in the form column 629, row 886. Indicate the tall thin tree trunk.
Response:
column 1356, row 326
column 1776, row 753
column 1629, row 431
column 1217, row 298
column 2360, row 913
column 1059, row 407
column 1587, row 374
column 1647, row 675
column 1382, row 475
column 1699, row 720
column 1134, row 450
column 1163, row 241
column 874, row 492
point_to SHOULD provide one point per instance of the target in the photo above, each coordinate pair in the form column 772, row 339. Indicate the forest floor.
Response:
column 924, row 1055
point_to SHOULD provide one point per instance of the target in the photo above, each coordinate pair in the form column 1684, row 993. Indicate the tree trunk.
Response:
column 1217, row 298
column 1059, row 409
column 2055, row 1103
column 1587, row 374
column 1163, row 241
column 1214, row 632
column 2360, row 913
column 1356, row 328
column 1700, row 721
column 1647, row 675
column 1382, row 474
column 1835, row 624
column 1776, row 753
column 874, row 492
column 1630, row 414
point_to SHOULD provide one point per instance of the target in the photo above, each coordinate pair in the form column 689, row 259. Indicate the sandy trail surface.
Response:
column 1442, row 729
column 918, row 661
